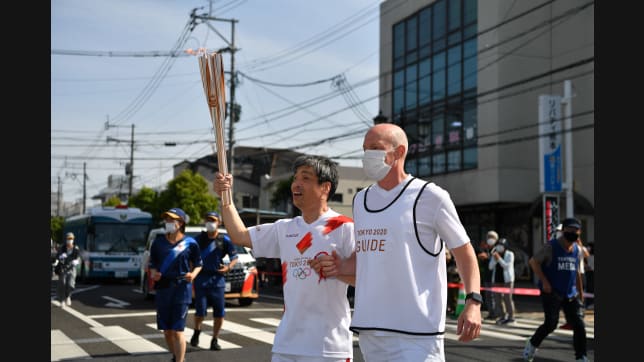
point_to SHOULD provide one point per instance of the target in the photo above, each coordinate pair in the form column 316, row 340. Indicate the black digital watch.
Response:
column 475, row 297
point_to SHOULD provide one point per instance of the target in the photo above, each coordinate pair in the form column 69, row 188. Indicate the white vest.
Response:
column 401, row 283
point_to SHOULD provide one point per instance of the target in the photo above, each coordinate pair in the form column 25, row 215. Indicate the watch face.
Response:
column 475, row 297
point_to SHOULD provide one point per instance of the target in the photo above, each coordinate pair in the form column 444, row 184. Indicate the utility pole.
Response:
column 232, row 109
column 60, row 191
column 129, row 168
column 131, row 161
column 567, row 100
column 84, row 185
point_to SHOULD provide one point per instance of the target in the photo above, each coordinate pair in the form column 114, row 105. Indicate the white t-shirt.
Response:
column 316, row 311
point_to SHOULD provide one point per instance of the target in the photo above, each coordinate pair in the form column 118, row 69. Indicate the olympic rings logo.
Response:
column 301, row 273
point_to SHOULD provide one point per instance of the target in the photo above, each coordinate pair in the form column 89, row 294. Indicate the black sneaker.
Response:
column 214, row 346
column 194, row 341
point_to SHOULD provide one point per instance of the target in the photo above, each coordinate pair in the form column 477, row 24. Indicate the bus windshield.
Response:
column 119, row 238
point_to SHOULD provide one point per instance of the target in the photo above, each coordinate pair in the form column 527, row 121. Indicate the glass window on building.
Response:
column 411, row 87
column 454, row 160
column 424, row 166
column 434, row 85
column 438, row 135
column 412, row 40
column 469, row 65
column 424, row 32
column 439, row 21
column 424, row 81
column 438, row 77
column 399, row 45
column 399, row 96
column 470, row 158
column 438, row 163
column 454, row 62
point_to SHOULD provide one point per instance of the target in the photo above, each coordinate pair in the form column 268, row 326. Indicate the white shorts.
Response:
column 282, row 357
column 401, row 347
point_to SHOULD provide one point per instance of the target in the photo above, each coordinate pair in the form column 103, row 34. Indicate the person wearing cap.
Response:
column 556, row 266
column 210, row 284
column 316, row 318
column 175, row 261
column 67, row 258
column 502, row 275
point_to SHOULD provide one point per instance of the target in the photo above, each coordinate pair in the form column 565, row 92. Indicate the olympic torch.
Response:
column 212, row 75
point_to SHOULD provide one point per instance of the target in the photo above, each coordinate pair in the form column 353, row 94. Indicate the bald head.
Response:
column 385, row 134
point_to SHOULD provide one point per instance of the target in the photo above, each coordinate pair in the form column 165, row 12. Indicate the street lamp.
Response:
column 380, row 118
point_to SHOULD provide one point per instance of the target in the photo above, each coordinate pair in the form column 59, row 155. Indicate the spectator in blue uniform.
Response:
column 557, row 267
column 210, row 284
column 175, row 261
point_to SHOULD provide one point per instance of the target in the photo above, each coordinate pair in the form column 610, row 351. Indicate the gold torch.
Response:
column 212, row 76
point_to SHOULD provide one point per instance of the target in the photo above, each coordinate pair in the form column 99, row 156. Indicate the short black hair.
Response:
column 325, row 169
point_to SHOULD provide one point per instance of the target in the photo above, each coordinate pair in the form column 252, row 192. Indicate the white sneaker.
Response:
column 529, row 351
column 68, row 301
column 62, row 304
column 582, row 359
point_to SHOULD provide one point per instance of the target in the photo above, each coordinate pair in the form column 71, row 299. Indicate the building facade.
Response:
column 464, row 79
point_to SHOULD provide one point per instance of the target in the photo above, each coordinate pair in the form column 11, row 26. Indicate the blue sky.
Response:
column 102, row 72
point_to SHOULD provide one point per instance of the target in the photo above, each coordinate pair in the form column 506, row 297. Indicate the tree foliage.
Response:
column 56, row 228
column 112, row 201
column 188, row 191
column 147, row 200
column 282, row 195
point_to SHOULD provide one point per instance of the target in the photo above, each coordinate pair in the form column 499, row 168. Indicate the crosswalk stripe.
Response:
column 204, row 338
column 268, row 321
column 128, row 341
column 62, row 347
column 246, row 331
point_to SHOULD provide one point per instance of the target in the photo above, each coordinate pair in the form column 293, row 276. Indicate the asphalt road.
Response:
column 98, row 303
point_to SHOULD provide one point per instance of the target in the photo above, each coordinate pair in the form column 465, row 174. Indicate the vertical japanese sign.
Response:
column 550, row 167
column 550, row 215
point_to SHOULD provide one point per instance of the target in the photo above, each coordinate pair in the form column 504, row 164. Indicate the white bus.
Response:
column 111, row 241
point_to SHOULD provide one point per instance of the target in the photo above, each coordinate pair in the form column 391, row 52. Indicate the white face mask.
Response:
column 211, row 226
column 70, row 241
column 373, row 164
column 491, row 242
column 500, row 248
column 170, row 227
